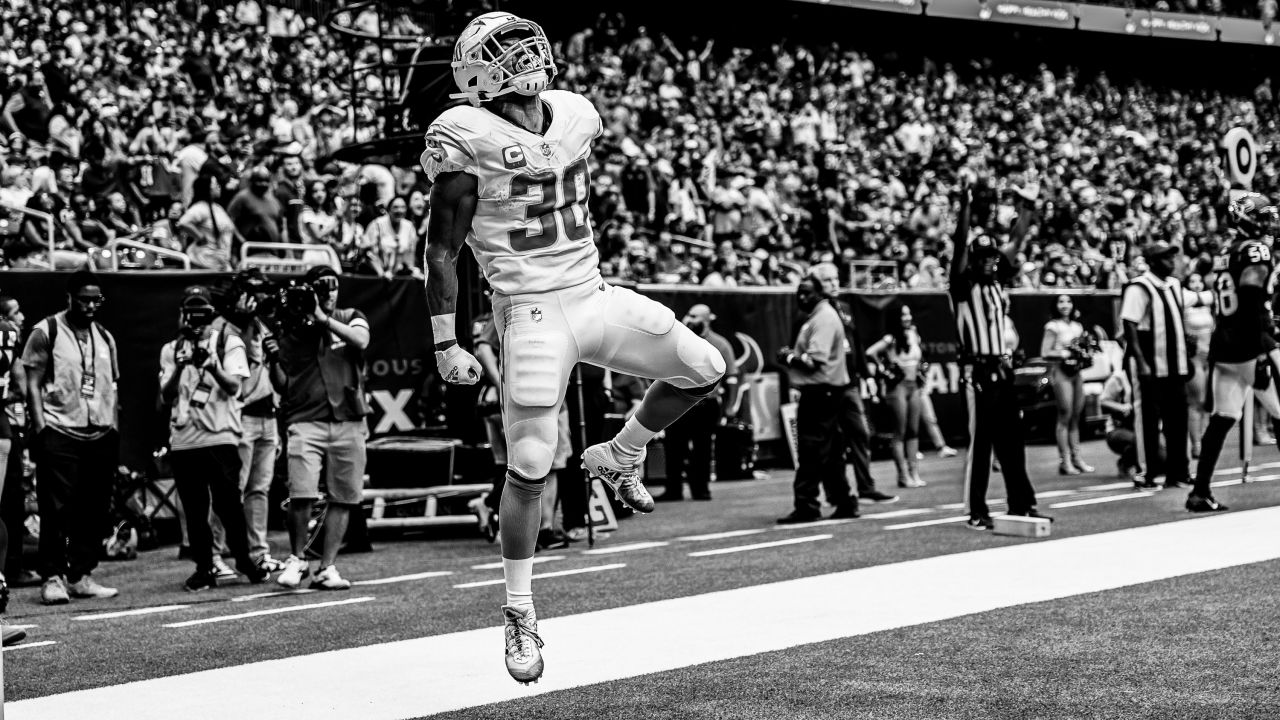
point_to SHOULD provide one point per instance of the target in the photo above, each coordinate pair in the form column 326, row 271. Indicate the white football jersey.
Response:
column 531, row 231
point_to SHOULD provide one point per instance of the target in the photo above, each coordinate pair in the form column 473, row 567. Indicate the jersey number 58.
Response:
column 563, row 194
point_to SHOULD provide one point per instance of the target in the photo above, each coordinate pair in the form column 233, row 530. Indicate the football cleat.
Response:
column 979, row 522
column 524, row 646
column 1204, row 503
column 624, row 480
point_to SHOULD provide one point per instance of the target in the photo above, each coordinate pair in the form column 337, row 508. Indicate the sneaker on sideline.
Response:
column 201, row 580
column 329, row 579
column 523, row 644
column 87, row 587
column 878, row 497
column 12, row 635
column 223, row 570
column 54, row 591
column 979, row 522
column 295, row 571
column 623, row 479
column 269, row 564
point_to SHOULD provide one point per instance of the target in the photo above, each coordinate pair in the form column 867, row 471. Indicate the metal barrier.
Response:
column 286, row 258
column 39, row 215
column 128, row 243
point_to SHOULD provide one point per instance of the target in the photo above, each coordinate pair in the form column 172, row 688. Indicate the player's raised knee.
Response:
column 706, row 365
column 531, row 458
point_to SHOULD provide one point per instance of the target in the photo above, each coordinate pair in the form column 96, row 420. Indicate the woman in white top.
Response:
column 210, row 227
column 318, row 224
column 901, row 352
column 1060, row 333
column 392, row 238
column 1198, row 322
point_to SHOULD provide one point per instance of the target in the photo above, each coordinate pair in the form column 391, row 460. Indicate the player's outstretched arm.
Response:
column 453, row 204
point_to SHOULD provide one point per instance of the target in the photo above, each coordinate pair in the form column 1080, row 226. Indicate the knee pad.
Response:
column 531, row 446
column 705, row 365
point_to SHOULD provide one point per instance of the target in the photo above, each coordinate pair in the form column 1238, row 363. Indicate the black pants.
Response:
column 688, row 449
column 200, row 474
column 73, row 487
column 13, row 509
column 995, row 424
column 1164, row 408
column 857, row 437
column 820, row 450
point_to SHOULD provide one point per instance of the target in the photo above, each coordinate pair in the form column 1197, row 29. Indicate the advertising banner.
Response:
column 1179, row 25
column 1030, row 12
column 909, row 7
column 1104, row 18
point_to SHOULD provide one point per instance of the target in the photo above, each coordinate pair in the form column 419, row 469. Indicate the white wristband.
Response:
column 444, row 328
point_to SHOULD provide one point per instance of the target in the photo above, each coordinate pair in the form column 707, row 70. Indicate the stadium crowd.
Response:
column 196, row 130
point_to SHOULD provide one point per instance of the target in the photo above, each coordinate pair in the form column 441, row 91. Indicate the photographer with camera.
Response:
column 200, row 377
column 318, row 366
column 243, row 315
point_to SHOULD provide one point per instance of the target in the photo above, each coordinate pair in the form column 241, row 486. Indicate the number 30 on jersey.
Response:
column 560, row 194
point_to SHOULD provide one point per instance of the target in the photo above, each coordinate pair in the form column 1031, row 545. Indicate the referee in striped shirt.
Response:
column 1159, row 366
column 981, row 308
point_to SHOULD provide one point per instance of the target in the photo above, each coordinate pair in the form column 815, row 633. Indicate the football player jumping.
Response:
column 1241, row 350
column 511, row 180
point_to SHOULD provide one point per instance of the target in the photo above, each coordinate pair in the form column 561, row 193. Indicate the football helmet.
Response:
column 1252, row 216
column 499, row 53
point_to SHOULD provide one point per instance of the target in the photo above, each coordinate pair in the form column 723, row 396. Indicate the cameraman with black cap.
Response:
column 318, row 366
column 200, row 376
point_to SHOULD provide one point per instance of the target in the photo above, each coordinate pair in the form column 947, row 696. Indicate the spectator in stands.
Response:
column 256, row 211
column 319, row 369
column 8, row 359
column 211, row 229
column 290, row 190
column 200, row 377
column 71, row 366
column 393, row 240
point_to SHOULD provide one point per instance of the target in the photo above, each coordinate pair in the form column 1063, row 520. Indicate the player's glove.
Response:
column 458, row 366
column 1262, row 374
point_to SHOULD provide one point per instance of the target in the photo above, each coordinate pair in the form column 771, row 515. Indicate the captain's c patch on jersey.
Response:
column 513, row 157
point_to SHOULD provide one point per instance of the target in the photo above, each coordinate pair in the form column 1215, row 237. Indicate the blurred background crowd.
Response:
column 196, row 129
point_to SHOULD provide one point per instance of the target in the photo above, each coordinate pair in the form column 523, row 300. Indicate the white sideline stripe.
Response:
column 720, row 535
column 403, row 578
column 25, row 645
column 1056, row 493
column 896, row 514
column 498, row 565
column 961, row 506
column 276, row 593
column 135, row 611
column 625, row 548
column 1237, row 481
column 425, row 676
column 1099, row 500
column 21, row 627
column 759, row 546
column 1107, row 487
column 927, row 523
column 272, row 611
column 1237, row 470
column 539, row 576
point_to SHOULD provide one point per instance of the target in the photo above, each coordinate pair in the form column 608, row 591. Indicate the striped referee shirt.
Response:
column 982, row 311
column 1155, row 307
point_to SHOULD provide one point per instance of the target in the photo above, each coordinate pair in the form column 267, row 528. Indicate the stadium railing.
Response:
column 128, row 245
column 39, row 215
column 287, row 258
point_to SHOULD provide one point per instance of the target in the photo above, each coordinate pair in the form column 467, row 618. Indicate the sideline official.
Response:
column 817, row 368
column 1160, row 367
column 981, row 306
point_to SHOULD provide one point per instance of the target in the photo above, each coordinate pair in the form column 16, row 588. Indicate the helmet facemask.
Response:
column 514, row 56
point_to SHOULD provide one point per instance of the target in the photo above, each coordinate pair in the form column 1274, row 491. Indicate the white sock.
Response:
column 631, row 440
column 519, row 580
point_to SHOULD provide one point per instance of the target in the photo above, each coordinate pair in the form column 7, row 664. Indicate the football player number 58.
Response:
column 563, row 195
